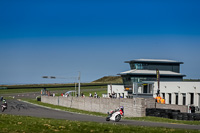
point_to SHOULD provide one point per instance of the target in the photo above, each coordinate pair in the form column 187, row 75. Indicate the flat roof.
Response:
column 154, row 61
column 150, row 72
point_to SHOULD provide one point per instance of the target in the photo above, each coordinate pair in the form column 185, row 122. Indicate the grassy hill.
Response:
column 109, row 79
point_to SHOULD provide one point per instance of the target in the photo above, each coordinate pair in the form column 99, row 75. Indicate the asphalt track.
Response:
column 16, row 107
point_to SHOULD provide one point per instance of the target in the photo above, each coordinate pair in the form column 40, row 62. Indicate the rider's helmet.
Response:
column 121, row 107
column 4, row 100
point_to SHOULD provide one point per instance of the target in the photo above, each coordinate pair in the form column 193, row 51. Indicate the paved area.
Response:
column 16, row 107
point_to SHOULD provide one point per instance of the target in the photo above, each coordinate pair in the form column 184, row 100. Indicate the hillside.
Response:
column 109, row 79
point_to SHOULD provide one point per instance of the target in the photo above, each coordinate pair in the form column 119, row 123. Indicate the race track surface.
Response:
column 16, row 107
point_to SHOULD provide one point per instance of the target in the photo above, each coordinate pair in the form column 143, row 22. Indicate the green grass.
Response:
column 12, row 91
column 23, row 124
column 49, row 85
column 165, row 120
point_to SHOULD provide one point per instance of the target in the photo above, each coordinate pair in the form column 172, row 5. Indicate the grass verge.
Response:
column 14, row 124
column 165, row 120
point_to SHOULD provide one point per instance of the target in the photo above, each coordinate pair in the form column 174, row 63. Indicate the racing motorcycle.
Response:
column 3, row 106
column 115, row 115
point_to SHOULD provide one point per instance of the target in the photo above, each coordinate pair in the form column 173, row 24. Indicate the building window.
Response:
column 138, row 66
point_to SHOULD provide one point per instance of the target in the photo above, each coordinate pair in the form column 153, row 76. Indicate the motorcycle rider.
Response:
column 4, row 103
column 121, row 109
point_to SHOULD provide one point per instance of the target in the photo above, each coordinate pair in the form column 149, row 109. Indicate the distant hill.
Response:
column 109, row 79
column 197, row 80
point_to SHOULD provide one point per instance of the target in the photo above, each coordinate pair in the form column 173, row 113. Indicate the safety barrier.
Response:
column 172, row 114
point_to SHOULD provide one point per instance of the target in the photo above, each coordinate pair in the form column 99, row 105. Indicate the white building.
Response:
column 180, row 93
column 142, row 81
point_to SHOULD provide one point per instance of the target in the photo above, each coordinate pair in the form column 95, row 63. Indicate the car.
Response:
column 70, row 93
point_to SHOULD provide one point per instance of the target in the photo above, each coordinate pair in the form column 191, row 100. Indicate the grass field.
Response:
column 24, row 124
column 85, row 89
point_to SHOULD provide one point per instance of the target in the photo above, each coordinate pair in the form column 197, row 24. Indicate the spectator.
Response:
column 110, row 96
column 1, row 98
column 95, row 95
column 90, row 95
column 113, row 94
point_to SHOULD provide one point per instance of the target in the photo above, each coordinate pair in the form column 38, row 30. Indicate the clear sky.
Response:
column 60, row 38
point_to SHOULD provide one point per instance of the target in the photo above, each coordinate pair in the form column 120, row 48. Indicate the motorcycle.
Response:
column 115, row 115
column 3, row 107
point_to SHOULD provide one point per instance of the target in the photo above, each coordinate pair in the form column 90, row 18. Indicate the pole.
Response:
column 158, row 80
column 75, row 89
column 79, row 83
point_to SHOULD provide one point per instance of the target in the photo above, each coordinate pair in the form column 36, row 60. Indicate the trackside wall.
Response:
column 132, row 107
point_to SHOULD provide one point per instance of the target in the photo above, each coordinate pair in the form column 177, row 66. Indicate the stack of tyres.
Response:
column 185, row 116
column 150, row 111
column 168, row 113
column 164, row 114
column 172, row 114
column 197, row 117
column 191, row 116
column 175, row 115
column 180, row 116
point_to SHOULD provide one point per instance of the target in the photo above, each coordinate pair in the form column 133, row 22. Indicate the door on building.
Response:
column 184, row 98
column 170, row 98
column 176, row 98
column 163, row 95
column 199, row 100
column 145, row 88
column 191, row 98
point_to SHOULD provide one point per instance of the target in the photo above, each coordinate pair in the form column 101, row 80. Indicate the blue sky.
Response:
column 60, row 38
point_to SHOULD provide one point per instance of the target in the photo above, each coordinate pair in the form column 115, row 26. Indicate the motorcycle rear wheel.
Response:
column 117, row 118
column 2, row 109
column 108, row 118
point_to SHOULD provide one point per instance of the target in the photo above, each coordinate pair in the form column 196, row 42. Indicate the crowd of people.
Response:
column 95, row 95
column 112, row 95
column 82, row 95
